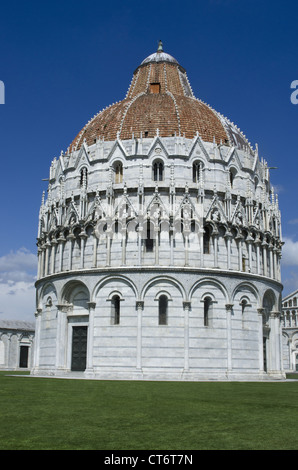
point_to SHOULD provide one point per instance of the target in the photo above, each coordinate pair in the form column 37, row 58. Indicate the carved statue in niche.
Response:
column 239, row 218
column 215, row 216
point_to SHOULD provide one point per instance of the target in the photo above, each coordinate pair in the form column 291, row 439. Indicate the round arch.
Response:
column 208, row 282
column 232, row 174
column 47, row 290
column 246, row 286
column 197, row 168
column 80, row 168
column 167, row 279
column 269, row 300
column 112, row 278
column 117, row 166
column 198, row 159
column 69, row 288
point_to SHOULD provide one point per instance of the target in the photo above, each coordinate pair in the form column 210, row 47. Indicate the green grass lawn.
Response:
column 56, row 414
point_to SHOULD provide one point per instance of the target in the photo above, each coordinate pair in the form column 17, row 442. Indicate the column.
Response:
column 140, row 231
column 108, row 259
column 186, row 252
column 139, row 307
column 291, row 365
column 275, row 275
column 257, row 243
column 61, row 335
column 53, row 255
column 249, row 242
column 156, row 231
column 46, row 268
column 271, row 274
column 123, row 233
column 280, row 342
column 95, row 243
column 278, row 264
column 39, row 258
column 61, row 241
column 215, row 247
column 261, row 358
column 264, row 245
column 83, row 236
column 37, row 338
column 271, row 344
column 89, row 364
column 8, row 352
column 42, row 264
column 229, row 309
column 228, row 236
column 171, row 240
column 275, row 346
column 201, row 244
column 239, row 238
column 186, row 308
column 70, row 239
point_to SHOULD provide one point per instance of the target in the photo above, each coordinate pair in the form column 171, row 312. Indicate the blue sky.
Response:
column 62, row 62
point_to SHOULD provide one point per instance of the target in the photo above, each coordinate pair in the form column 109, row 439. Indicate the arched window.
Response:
column 207, row 310
column 196, row 169
column 243, row 306
column 163, row 310
column 158, row 171
column 118, row 169
column 148, row 240
column 83, row 178
column 244, row 310
column 206, row 240
column 115, row 304
column 233, row 173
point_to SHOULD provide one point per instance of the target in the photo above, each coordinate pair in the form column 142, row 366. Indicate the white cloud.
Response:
column 278, row 188
column 290, row 252
column 19, row 261
column 17, row 291
column 290, row 282
column 17, row 301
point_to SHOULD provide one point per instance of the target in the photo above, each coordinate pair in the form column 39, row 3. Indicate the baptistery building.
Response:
column 159, row 244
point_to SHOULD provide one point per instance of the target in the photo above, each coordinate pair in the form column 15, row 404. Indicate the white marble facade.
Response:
column 289, row 321
column 163, row 253
column 16, row 345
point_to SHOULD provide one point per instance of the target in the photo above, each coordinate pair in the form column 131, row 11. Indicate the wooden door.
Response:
column 24, row 350
column 79, row 348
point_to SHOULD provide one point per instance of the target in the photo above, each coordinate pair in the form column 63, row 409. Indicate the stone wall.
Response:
column 16, row 345
column 230, row 345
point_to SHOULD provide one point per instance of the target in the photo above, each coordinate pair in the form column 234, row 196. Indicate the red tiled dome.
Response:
column 159, row 97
